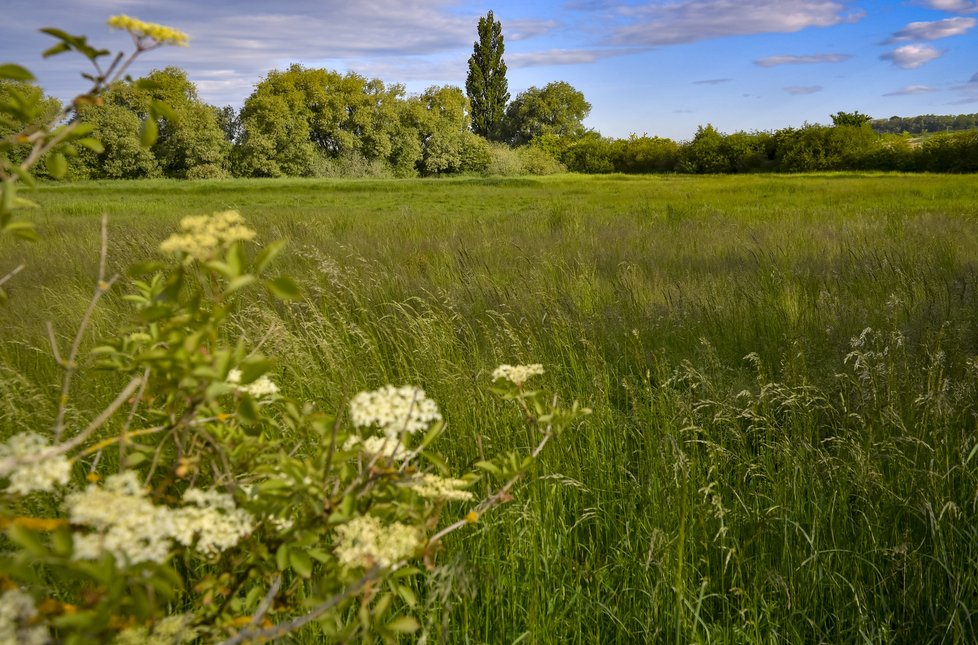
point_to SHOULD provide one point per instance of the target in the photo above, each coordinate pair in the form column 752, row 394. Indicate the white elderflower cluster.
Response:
column 394, row 410
column 517, row 374
column 203, row 236
column 17, row 614
column 432, row 486
column 365, row 541
column 391, row 448
column 125, row 523
column 128, row 525
column 260, row 387
column 38, row 476
column 213, row 519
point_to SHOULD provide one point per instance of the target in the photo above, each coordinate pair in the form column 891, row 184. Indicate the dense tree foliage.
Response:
column 309, row 122
column 557, row 109
column 486, row 84
column 926, row 123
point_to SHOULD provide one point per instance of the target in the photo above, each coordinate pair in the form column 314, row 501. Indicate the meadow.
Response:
column 783, row 372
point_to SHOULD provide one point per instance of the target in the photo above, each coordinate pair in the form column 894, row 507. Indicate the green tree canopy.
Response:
column 855, row 119
column 486, row 84
column 557, row 109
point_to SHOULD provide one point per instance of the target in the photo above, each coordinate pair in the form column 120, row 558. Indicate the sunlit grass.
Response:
column 759, row 467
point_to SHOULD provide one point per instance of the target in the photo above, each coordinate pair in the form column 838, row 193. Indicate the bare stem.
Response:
column 263, row 635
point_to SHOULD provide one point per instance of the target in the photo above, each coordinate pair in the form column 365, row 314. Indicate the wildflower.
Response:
column 37, row 476
column 438, row 488
column 388, row 447
column 212, row 518
column 259, row 388
column 128, row 525
column 517, row 374
column 204, row 236
column 394, row 410
column 139, row 29
column 365, row 542
column 17, row 616
column 125, row 523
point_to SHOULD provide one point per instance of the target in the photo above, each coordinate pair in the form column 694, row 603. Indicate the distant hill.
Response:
column 925, row 123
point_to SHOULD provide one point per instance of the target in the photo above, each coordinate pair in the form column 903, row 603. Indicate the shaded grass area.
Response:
column 782, row 372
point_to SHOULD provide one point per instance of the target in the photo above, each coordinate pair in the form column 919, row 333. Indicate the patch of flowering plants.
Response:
column 202, row 502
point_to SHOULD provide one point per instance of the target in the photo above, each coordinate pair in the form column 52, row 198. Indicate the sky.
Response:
column 655, row 67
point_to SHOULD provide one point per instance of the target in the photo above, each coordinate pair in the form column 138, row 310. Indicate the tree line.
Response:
column 308, row 122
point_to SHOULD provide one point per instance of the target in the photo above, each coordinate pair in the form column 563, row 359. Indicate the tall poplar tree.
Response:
column 486, row 83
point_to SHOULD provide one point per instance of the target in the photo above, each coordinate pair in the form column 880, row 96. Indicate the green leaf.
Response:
column 248, row 410
column 161, row 110
column 268, row 254
column 284, row 288
column 27, row 540
column 282, row 557
column 149, row 133
column 60, row 48
column 23, row 230
column 134, row 459
column 404, row 625
column 57, row 165
column 239, row 283
column 15, row 72
column 92, row 144
column 254, row 367
column 489, row 467
column 301, row 562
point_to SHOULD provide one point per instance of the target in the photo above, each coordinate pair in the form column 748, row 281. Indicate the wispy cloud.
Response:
column 687, row 21
column 803, row 89
column 974, row 78
column 774, row 61
column 912, row 56
column 562, row 57
column 935, row 30
column 712, row 81
column 957, row 6
column 911, row 90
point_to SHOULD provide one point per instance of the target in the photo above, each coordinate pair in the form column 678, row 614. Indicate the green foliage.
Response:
column 851, row 119
column 557, row 109
column 706, row 319
column 123, row 156
column 486, row 84
column 216, row 507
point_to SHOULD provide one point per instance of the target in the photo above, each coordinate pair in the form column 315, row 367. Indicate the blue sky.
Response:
column 660, row 67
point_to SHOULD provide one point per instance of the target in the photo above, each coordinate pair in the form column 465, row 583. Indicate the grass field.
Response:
column 782, row 370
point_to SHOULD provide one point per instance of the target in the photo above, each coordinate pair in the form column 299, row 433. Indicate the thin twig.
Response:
column 70, row 362
column 10, row 463
column 266, row 602
column 13, row 272
column 300, row 621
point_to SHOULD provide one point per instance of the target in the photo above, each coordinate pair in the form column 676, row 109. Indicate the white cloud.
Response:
column 911, row 90
column 773, row 61
column 957, row 6
column 561, row 57
column 803, row 89
column 912, row 56
column 686, row 21
column 934, row 30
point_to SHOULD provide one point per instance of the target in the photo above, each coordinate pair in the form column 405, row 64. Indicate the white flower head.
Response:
column 394, row 410
column 259, row 388
column 389, row 447
column 432, row 486
column 128, row 525
column 37, row 476
column 365, row 541
column 517, row 374
column 17, row 614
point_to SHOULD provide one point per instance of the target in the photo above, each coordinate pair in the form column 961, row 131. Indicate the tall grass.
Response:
column 782, row 370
